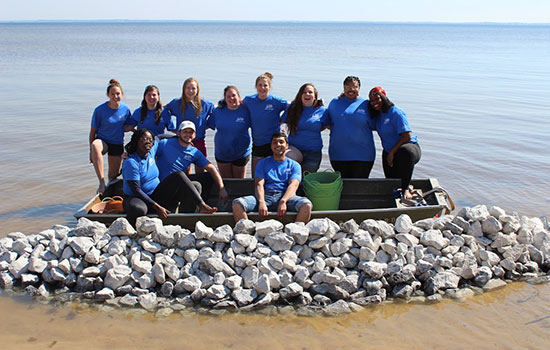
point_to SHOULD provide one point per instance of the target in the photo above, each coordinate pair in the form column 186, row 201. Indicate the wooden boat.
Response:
column 361, row 199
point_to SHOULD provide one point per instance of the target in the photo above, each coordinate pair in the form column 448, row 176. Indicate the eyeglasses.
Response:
column 147, row 139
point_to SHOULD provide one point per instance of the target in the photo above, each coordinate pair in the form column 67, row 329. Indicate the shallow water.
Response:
column 517, row 316
column 476, row 95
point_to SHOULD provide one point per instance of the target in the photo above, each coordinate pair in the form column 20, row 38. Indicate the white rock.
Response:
column 166, row 235
column 146, row 281
column 497, row 212
column 279, row 241
column 318, row 243
column 150, row 246
column 298, row 231
column 173, row 272
column 341, row 246
column 244, row 296
column 250, row 276
column 88, row 228
column 434, row 238
column 121, row 227
column 19, row 266
column 217, row 291
column 491, row 225
column 104, row 294
column 142, row 266
column 244, row 226
column 373, row 269
column 222, row 234
column 446, row 280
column 494, row 284
column 403, row 224
column 92, row 256
column 91, row 271
column 158, row 273
column 37, row 265
column 233, row 282
column 478, row 213
column 263, row 285
column 190, row 284
column 214, row 265
column 148, row 301
column 146, row 225
column 263, row 228
column 128, row 299
column 243, row 239
column 117, row 276
column 81, row 245
column 406, row 238
column 290, row 291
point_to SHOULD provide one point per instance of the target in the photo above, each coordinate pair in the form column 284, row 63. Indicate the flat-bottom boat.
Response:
column 361, row 199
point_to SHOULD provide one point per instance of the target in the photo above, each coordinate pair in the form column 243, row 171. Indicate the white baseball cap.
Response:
column 187, row 124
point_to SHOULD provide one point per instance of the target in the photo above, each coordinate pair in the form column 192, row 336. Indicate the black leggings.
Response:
column 403, row 163
column 352, row 169
column 176, row 189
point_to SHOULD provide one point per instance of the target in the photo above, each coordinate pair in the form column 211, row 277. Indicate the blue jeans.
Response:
column 272, row 198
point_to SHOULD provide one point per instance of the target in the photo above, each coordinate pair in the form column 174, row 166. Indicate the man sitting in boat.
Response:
column 276, row 180
column 178, row 153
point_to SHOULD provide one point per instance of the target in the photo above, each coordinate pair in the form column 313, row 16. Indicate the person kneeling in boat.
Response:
column 178, row 153
column 143, row 190
column 276, row 180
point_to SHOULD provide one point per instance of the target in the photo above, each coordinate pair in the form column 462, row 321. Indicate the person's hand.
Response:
column 161, row 211
column 262, row 209
column 223, row 195
column 281, row 211
column 390, row 159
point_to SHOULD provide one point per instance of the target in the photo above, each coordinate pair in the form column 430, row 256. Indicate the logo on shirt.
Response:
column 188, row 157
column 239, row 120
column 386, row 121
column 151, row 161
column 361, row 111
column 269, row 107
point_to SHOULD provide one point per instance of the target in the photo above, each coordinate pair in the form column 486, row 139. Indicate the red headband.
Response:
column 378, row 89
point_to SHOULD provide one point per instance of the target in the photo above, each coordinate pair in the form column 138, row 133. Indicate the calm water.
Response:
column 477, row 96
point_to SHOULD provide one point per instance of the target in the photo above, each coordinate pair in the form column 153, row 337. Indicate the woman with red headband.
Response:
column 401, row 150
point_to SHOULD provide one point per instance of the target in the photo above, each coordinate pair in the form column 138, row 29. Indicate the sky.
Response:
column 517, row 11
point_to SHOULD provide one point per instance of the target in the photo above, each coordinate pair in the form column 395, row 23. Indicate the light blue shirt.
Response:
column 109, row 122
column 265, row 116
column 277, row 174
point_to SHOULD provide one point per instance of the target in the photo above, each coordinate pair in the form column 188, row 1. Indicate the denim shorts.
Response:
column 250, row 203
column 312, row 160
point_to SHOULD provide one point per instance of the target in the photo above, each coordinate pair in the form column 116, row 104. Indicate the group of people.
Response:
column 157, row 174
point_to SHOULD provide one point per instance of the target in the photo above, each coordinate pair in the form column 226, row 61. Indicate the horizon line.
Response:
column 29, row 21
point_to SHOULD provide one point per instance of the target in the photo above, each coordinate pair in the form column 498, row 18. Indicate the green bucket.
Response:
column 323, row 189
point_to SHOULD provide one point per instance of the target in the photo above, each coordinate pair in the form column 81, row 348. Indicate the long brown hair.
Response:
column 296, row 107
column 196, row 101
column 158, row 107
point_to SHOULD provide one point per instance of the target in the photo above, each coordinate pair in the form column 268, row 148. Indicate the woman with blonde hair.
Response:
column 191, row 106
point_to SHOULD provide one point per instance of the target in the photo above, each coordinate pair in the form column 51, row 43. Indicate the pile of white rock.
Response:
column 321, row 267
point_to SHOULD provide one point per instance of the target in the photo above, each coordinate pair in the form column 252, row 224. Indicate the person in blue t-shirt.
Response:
column 232, row 146
column 401, row 150
column 351, row 149
column 191, row 106
column 276, row 180
column 265, row 115
column 152, row 115
column 305, row 119
column 145, row 192
column 107, row 134
column 178, row 153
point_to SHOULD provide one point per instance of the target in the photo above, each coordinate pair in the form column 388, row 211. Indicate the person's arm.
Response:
column 289, row 193
column 218, row 180
column 135, row 186
column 262, row 208
column 93, row 132
column 405, row 138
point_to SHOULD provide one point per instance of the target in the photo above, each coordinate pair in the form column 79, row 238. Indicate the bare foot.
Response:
column 101, row 187
column 206, row 209
column 407, row 195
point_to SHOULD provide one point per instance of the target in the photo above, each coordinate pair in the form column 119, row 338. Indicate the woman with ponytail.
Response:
column 107, row 134
column 152, row 115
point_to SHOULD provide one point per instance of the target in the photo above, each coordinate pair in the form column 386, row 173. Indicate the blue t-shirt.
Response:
column 351, row 130
column 172, row 157
column 265, row 116
column 308, row 133
column 109, row 123
column 390, row 125
column 165, row 121
column 201, row 120
column 277, row 174
column 145, row 171
column 232, row 140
